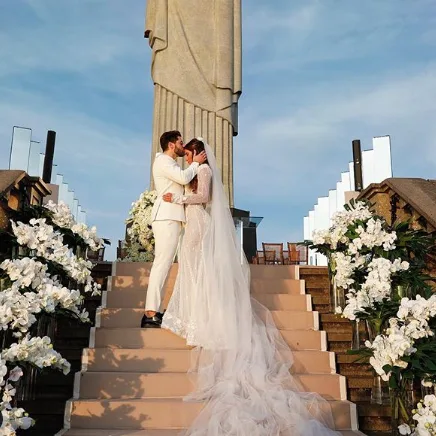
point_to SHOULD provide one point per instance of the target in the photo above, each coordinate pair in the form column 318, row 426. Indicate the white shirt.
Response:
column 169, row 177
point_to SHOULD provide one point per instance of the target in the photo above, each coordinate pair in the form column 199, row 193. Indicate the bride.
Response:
column 241, row 363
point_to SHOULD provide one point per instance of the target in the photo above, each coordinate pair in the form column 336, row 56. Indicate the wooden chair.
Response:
column 259, row 259
column 273, row 253
column 96, row 256
column 121, row 250
column 285, row 257
column 298, row 254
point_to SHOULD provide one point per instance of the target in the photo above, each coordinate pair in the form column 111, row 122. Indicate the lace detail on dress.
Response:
column 183, row 314
column 202, row 195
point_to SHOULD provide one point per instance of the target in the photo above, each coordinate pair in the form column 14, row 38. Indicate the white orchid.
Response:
column 37, row 351
column 41, row 237
column 13, row 418
column 377, row 285
column 140, row 233
column 24, row 272
column 18, row 310
column 411, row 324
column 425, row 417
column 31, row 290
column 372, row 235
column 63, row 217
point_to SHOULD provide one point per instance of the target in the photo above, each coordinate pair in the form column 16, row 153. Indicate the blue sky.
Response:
column 316, row 74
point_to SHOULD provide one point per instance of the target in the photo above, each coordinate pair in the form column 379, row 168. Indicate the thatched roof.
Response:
column 419, row 193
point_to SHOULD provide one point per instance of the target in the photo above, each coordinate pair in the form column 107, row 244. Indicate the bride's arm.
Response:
column 203, row 189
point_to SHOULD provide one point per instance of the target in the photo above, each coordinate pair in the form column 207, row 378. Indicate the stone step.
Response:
column 285, row 302
column 164, row 413
column 157, row 432
column 359, row 382
column 274, row 272
column 139, row 270
column 321, row 299
column 132, row 298
column 277, row 286
column 164, row 339
column 161, row 360
column 353, row 370
column 261, row 285
column 351, row 358
column 316, row 282
column 315, row 292
column 124, row 385
column 333, row 318
column 125, row 317
column 313, row 270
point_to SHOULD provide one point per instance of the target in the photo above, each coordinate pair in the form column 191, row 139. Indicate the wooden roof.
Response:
column 8, row 178
column 419, row 193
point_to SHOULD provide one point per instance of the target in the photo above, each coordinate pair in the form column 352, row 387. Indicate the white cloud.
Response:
column 99, row 41
column 297, row 155
column 290, row 36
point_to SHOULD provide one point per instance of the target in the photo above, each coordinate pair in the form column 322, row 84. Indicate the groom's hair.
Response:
column 168, row 137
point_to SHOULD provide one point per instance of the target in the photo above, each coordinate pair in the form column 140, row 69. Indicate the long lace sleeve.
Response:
column 203, row 190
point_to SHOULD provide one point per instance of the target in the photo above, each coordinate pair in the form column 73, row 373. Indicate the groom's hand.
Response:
column 168, row 197
column 200, row 158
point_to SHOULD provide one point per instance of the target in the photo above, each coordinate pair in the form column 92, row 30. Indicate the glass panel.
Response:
column 20, row 148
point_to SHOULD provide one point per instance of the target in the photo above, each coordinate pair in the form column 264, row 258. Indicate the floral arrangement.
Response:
column 42, row 276
column 63, row 218
column 402, row 350
column 381, row 270
column 425, row 417
column 367, row 258
column 140, row 244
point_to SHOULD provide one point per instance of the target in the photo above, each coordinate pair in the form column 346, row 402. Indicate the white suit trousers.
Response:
column 166, row 236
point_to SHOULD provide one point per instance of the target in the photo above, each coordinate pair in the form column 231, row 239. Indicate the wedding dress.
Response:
column 241, row 364
column 186, row 309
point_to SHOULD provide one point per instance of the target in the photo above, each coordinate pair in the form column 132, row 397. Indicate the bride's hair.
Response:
column 197, row 146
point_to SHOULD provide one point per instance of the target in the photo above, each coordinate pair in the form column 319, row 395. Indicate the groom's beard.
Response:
column 180, row 153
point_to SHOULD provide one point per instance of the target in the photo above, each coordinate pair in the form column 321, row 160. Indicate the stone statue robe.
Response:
column 196, row 70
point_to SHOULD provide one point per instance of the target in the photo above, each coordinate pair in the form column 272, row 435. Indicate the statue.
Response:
column 196, row 70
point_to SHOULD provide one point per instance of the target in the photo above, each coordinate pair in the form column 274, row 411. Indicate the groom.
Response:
column 167, row 218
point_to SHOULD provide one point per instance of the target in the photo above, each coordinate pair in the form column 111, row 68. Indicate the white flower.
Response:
column 15, row 374
column 41, row 237
column 38, row 351
column 377, row 285
column 140, row 232
column 399, row 339
column 404, row 429
column 63, row 217
column 425, row 418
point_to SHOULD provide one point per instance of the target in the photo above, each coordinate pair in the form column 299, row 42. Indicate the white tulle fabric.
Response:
column 241, row 365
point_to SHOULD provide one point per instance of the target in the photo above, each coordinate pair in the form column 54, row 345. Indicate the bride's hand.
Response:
column 168, row 197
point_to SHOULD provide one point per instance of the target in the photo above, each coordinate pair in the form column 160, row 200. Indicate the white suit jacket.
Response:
column 169, row 177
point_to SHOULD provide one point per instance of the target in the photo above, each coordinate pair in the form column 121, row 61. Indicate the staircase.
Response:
column 133, row 380
column 374, row 420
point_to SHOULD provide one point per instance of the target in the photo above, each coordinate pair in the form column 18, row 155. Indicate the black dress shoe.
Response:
column 152, row 321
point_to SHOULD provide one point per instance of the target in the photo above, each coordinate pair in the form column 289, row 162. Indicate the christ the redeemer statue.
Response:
column 196, row 70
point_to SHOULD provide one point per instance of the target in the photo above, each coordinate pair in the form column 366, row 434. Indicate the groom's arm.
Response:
column 176, row 174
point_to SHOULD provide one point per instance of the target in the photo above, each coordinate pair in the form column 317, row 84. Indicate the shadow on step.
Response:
column 107, row 399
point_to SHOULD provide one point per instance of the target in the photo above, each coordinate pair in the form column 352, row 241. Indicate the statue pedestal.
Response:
column 247, row 226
